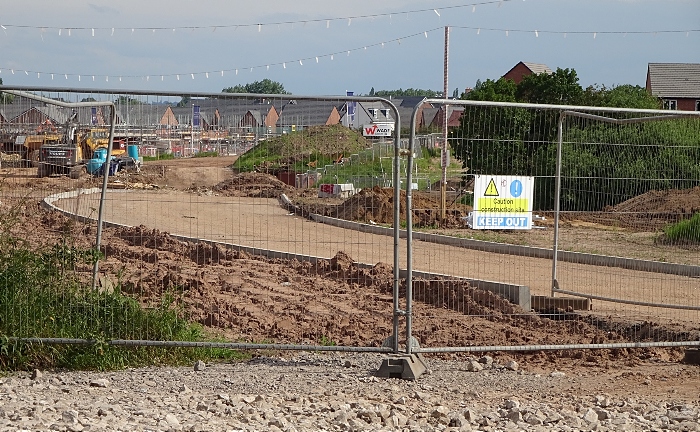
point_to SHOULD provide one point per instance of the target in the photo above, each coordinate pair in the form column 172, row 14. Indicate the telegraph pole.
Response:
column 444, row 154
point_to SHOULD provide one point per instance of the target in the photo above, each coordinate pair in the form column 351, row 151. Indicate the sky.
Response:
column 318, row 47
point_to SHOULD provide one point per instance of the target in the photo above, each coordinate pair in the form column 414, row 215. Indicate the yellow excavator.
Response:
column 70, row 154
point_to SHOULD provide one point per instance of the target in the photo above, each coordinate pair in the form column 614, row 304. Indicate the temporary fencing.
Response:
column 228, row 242
column 548, row 227
column 568, row 212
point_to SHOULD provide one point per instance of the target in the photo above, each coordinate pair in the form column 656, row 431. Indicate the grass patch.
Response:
column 41, row 297
column 167, row 156
column 684, row 232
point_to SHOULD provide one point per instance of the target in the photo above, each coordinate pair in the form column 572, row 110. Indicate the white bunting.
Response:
column 51, row 77
column 284, row 65
column 93, row 32
column 594, row 35
column 300, row 63
column 112, row 32
column 436, row 12
column 192, row 76
column 537, row 34
column 68, row 32
column 236, row 72
column 331, row 56
column 328, row 24
column 206, row 74
column 424, row 33
column 178, row 77
column 316, row 59
column 59, row 32
column 478, row 31
column 259, row 28
column 473, row 8
column 349, row 21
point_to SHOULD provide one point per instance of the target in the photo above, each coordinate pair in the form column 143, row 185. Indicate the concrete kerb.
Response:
column 527, row 251
column 517, row 294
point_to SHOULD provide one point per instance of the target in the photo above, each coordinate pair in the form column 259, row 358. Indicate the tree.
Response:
column 184, row 101
column 623, row 96
column 126, row 100
column 371, row 92
column 502, row 90
column 88, row 99
column 409, row 92
column 558, row 88
column 6, row 98
column 265, row 86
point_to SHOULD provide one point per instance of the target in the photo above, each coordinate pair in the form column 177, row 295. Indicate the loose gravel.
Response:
column 326, row 391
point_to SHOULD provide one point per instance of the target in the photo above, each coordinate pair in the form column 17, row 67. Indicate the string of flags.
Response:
column 69, row 30
column 536, row 33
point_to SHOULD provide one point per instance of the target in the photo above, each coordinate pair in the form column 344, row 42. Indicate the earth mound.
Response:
column 254, row 185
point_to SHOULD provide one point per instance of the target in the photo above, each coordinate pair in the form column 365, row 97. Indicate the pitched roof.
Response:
column 538, row 68
column 676, row 80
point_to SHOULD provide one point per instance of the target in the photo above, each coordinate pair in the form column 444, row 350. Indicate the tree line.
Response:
column 602, row 164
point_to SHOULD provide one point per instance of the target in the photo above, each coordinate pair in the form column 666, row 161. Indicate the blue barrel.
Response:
column 133, row 151
column 100, row 154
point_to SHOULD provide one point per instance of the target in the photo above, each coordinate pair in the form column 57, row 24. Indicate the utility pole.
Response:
column 444, row 154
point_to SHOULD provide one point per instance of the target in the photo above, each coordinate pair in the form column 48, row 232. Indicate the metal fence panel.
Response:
column 596, row 269
column 207, row 215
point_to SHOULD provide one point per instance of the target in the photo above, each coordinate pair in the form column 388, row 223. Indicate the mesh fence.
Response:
column 589, row 244
column 213, row 214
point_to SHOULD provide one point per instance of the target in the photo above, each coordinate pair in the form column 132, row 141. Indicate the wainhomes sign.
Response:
column 378, row 130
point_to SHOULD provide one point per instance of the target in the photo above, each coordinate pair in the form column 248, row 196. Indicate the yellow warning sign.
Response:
column 491, row 190
column 503, row 205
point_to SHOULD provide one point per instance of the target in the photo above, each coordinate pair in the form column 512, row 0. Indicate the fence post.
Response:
column 557, row 198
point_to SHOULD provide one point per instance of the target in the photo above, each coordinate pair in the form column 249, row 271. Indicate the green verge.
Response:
column 684, row 232
column 41, row 297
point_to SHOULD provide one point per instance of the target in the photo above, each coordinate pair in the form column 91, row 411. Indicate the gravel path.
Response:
column 309, row 391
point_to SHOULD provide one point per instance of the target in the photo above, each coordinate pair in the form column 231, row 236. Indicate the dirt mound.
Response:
column 377, row 205
column 650, row 211
column 254, row 185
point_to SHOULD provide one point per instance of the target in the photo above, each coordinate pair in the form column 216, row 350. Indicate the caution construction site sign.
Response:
column 503, row 202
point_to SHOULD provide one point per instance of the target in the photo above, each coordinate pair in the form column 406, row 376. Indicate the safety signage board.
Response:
column 502, row 202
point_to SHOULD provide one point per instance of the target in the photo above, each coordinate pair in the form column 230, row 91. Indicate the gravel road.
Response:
column 338, row 392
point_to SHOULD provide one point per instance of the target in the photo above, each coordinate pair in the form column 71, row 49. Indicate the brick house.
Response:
column 523, row 69
column 676, row 84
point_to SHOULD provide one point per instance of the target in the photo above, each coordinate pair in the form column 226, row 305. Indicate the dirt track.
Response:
column 254, row 299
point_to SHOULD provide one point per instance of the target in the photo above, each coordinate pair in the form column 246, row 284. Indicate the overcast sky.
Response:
column 387, row 45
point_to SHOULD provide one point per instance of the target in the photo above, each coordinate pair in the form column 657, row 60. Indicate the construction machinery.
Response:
column 70, row 153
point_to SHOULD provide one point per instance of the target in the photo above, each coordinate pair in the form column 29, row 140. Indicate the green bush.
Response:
column 685, row 231
column 41, row 297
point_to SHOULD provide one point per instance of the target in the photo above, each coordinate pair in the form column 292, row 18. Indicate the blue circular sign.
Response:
column 516, row 188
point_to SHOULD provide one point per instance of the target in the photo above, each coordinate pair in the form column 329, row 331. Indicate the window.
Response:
column 697, row 105
column 670, row 104
column 385, row 113
column 372, row 112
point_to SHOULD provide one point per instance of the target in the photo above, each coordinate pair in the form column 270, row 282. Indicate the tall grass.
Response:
column 684, row 232
column 41, row 297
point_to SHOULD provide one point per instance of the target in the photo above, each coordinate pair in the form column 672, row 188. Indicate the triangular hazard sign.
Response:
column 491, row 190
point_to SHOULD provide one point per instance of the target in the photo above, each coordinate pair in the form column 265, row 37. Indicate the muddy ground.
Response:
column 248, row 298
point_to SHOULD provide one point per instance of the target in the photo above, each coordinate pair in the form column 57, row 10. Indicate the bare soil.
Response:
column 249, row 298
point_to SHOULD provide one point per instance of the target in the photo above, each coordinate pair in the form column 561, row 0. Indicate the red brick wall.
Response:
column 517, row 73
